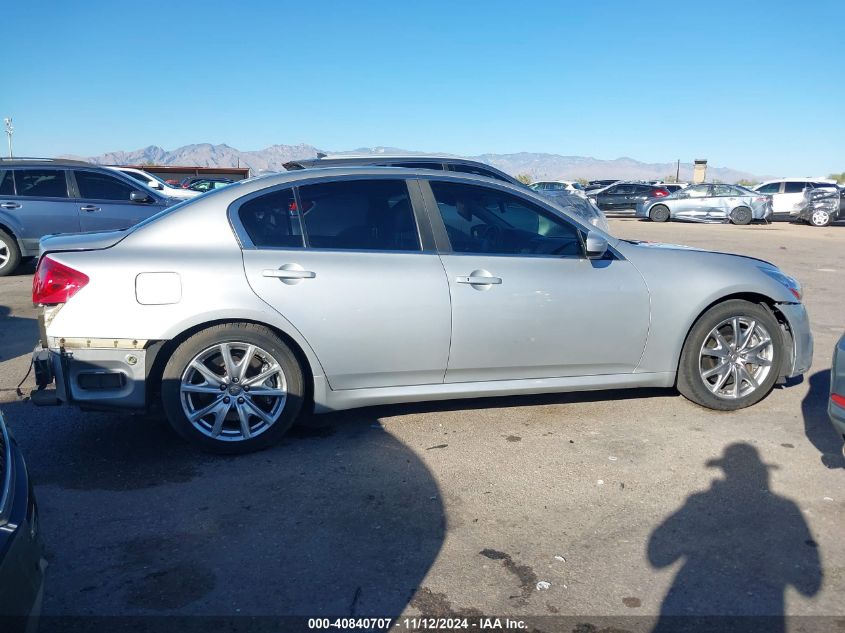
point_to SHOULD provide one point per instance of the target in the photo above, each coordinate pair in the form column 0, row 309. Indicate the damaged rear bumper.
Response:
column 95, row 377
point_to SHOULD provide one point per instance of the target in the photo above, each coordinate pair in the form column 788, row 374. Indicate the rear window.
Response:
column 41, row 183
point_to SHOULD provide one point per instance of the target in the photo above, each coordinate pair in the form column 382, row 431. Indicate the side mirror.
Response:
column 156, row 185
column 138, row 196
column 596, row 245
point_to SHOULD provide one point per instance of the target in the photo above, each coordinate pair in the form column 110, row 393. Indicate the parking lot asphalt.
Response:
column 627, row 503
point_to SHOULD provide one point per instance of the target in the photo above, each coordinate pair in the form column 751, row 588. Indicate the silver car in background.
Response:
column 708, row 203
column 327, row 289
column 836, row 405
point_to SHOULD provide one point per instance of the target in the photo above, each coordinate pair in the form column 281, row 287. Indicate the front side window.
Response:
column 621, row 190
column 359, row 214
column 96, row 186
column 698, row 191
column 794, row 187
column 272, row 220
column 41, row 183
column 726, row 190
column 486, row 221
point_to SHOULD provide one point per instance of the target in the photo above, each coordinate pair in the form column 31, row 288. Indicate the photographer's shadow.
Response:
column 742, row 546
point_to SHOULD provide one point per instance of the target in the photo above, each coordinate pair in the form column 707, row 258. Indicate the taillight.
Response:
column 763, row 199
column 56, row 283
column 660, row 193
column 837, row 399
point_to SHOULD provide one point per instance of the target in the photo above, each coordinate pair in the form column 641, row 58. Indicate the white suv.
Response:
column 789, row 197
column 154, row 182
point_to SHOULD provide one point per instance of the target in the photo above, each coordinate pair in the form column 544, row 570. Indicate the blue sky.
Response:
column 750, row 85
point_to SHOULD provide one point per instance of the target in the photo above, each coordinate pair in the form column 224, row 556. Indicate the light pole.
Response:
column 9, row 131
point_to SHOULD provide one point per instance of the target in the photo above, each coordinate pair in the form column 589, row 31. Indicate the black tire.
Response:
column 690, row 381
column 659, row 213
column 741, row 216
column 820, row 218
column 10, row 254
column 247, row 333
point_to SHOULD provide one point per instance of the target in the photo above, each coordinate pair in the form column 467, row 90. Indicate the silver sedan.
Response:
column 708, row 203
column 328, row 289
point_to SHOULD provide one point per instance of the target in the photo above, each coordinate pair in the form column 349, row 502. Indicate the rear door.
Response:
column 104, row 204
column 356, row 273
column 34, row 202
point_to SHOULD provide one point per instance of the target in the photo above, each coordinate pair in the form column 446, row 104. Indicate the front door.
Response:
column 344, row 264
column 104, row 202
column 526, row 303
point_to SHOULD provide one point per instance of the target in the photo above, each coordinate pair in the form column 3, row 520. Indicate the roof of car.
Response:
column 382, row 158
column 38, row 162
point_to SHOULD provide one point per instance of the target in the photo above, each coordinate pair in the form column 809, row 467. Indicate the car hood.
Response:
column 91, row 241
column 683, row 247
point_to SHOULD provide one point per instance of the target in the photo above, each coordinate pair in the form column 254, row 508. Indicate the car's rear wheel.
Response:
column 741, row 215
column 232, row 388
column 820, row 218
column 731, row 356
column 659, row 213
column 10, row 254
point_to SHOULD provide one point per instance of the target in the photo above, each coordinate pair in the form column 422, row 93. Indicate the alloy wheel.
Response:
column 820, row 218
column 233, row 391
column 5, row 254
column 736, row 357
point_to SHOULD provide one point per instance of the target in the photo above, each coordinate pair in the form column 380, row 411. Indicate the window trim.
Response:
column 444, row 245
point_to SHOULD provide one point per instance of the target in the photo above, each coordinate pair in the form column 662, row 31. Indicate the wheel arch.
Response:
column 159, row 352
column 752, row 297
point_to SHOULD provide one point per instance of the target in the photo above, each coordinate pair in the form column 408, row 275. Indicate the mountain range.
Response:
column 538, row 166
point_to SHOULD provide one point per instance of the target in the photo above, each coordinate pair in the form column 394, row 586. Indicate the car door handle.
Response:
column 10, row 205
column 89, row 208
column 479, row 280
column 288, row 274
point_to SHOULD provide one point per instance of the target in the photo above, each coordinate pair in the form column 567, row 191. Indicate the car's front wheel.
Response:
column 10, row 254
column 659, row 213
column 232, row 388
column 731, row 356
column 820, row 218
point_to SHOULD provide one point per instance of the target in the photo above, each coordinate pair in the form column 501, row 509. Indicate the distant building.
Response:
column 699, row 172
column 178, row 172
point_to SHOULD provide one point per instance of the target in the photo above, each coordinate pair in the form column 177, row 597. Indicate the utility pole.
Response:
column 9, row 131
column 678, row 171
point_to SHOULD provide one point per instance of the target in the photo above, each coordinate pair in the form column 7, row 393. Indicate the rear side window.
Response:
column 794, row 187
column 7, row 183
column 272, row 220
column 96, row 186
column 41, row 183
column 359, row 214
